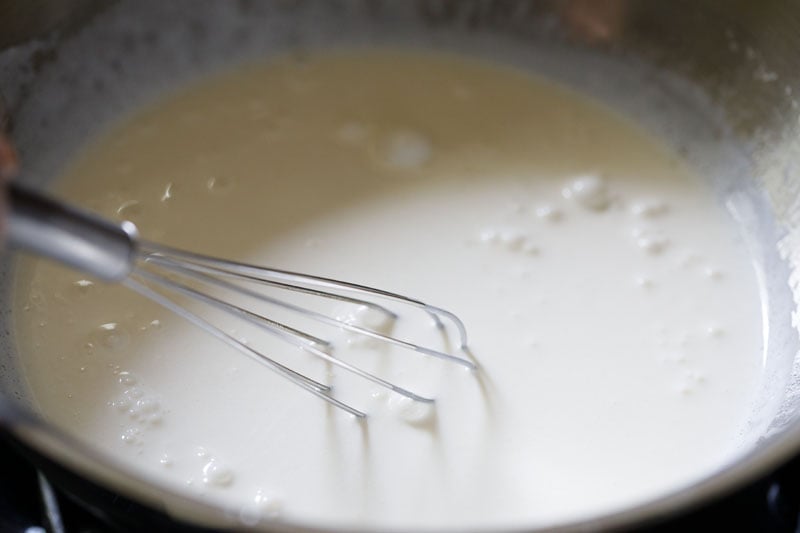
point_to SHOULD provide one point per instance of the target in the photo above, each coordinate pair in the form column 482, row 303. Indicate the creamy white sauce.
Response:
column 614, row 315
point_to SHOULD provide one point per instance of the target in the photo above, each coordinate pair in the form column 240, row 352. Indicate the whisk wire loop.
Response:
column 164, row 267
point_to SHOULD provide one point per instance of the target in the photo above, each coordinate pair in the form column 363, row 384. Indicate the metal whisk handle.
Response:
column 70, row 235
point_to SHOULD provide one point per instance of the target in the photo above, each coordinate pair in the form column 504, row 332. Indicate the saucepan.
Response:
column 718, row 79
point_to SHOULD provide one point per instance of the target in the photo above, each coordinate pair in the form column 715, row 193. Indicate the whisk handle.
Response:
column 82, row 240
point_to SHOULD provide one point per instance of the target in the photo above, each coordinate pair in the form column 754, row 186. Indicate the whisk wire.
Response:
column 298, row 282
column 168, row 268
column 200, row 272
column 279, row 329
column 314, row 387
column 273, row 326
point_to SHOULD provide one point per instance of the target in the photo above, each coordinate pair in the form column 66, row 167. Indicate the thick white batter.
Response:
column 616, row 318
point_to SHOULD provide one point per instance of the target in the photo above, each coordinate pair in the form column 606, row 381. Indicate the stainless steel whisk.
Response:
column 113, row 252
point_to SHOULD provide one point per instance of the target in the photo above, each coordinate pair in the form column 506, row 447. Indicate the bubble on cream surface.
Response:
column 589, row 191
column 510, row 239
column 549, row 213
column 83, row 286
column 264, row 506
column 649, row 208
column 217, row 474
column 132, row 436
column 140, row 407
column 593, row 311
column 412, row 412
column 109, row 336
column 653, row 242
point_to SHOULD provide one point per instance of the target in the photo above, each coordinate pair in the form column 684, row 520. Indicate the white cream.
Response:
column 615, row 318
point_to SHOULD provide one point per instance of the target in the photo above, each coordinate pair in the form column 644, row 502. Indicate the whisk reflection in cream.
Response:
column 114, row 253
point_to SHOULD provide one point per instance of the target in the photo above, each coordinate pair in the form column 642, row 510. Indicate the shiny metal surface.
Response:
column 733, row 62
column 55, row 230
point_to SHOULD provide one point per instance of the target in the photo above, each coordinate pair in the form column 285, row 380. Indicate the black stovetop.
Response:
column 31, row 503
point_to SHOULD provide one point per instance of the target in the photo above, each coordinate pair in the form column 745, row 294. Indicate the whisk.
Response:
column 113, row 252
